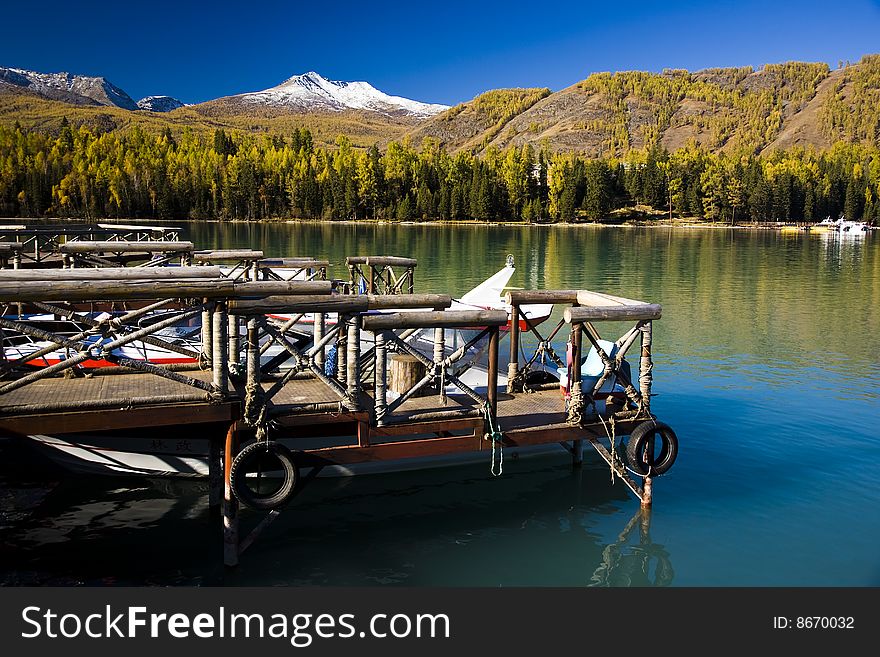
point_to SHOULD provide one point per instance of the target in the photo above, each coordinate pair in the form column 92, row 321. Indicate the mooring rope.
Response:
column 255, row 410
column 613, row 439
column 494, row 434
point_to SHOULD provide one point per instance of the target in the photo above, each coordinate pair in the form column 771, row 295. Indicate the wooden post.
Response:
column 647, row 492
column 351, row 279
column 318, row 329
column 253, row 353
column 230, row 503
column 380, row 377
column 341, row 350
column 412, row 280
column 577, row 453
column 353, row 356
column 646, row 367
column 439, row 355
column 219, row 349
column 233, row 337
column 16, row 259
column 406, row 371
column 576, row 396
column 207, row 325
column 513, row 366
column 492, row 383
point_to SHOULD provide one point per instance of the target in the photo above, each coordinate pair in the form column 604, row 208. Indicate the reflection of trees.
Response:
column 645, row 564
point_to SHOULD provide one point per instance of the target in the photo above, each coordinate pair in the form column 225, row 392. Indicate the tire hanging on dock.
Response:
column 254, row 456
column 640, row 448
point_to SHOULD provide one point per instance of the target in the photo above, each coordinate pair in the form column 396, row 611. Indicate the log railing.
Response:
column 438, row 366
column 377, row 274
column 172, row 296
column 40, row 243
column 114, row 253
column 585, row 309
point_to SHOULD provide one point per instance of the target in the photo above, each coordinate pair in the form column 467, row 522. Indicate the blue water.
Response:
column 766, row 366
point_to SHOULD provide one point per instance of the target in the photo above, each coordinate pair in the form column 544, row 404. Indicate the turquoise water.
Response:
column 766, row 367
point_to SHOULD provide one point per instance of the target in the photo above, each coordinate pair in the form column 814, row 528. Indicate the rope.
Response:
column 494, row 434
column 613, row 440
column 255, row 410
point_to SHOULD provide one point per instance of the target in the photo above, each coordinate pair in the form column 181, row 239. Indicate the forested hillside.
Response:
column 137, row 173
column 724, row 109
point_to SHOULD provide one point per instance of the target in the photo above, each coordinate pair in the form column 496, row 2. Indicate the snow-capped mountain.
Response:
column 77, row 89
column 159, row 103
column 311, row 91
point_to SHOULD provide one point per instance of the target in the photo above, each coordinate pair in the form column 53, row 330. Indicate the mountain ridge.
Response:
column 734, row 109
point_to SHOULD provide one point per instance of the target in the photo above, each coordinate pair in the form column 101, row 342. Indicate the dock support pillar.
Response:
column 492, row 383
column 233, row 332
column 230, row 503
column 646, row 367
column 647, row 493
column 207, row 325
column 318, row 329
column 513, row 366
column 380, row 378
column 220, row 348
column 577, row 453
column 341, row 341
column 576, row 395
column 353, row 358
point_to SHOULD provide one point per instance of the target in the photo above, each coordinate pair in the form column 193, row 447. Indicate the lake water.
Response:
column 766, row 366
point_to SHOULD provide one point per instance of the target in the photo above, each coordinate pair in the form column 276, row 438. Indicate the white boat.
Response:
column 19, row 346
column 488, row 295
column 853, row 228
column 841, row 226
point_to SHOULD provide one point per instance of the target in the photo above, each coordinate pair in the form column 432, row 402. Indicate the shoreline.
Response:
column 659, row 223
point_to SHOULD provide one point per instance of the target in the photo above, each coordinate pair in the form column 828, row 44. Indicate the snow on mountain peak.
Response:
column 160, row 103
column 313, row 91
column 68, row 87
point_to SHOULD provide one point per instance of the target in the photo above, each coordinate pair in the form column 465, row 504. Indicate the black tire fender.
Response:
column 643, row 436
column 247, row 456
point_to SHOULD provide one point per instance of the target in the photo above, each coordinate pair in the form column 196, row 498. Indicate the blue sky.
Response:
column 446, row 51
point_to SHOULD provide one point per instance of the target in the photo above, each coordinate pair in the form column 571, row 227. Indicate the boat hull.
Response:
column 144, row 456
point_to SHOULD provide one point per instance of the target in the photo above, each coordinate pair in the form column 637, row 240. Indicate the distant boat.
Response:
column 840, row 226
column 827, row 225
column 853, row 228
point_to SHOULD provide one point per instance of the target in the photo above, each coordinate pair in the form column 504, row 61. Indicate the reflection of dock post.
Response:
column 230, row 503
column 577, row 453
column 647, row 493
column 215, row 474
column 645, row 525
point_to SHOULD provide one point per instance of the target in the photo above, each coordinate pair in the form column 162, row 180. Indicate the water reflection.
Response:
column 540, row 524
column 625, row 563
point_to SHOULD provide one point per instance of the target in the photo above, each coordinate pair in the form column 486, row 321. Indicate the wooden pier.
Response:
column 296, row 368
